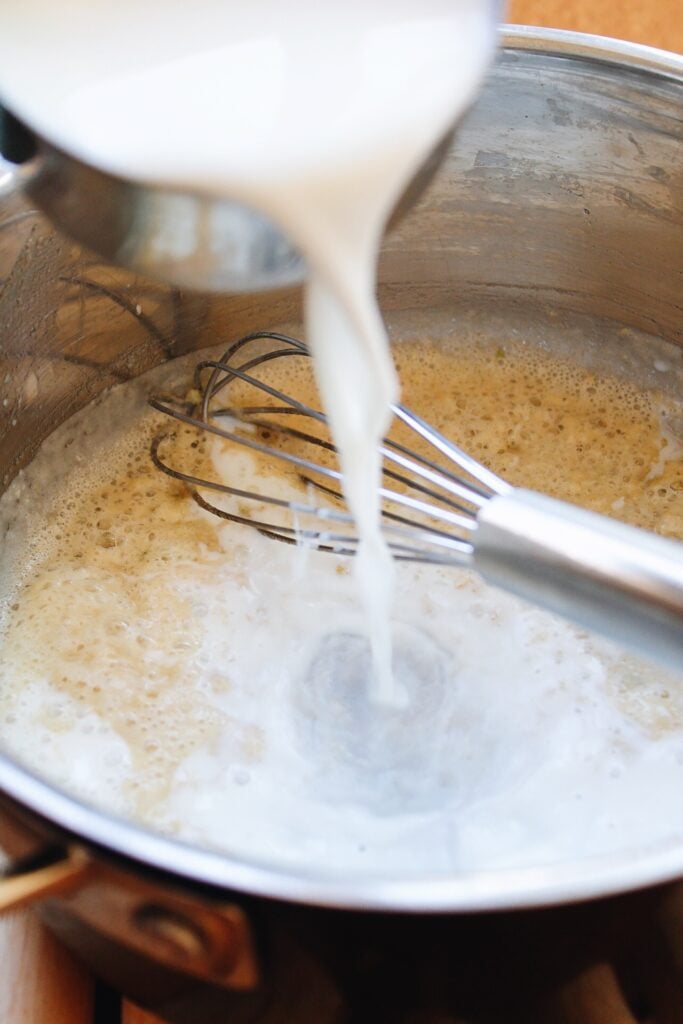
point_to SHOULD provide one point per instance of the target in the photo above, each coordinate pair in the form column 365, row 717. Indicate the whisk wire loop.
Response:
column 429, row 511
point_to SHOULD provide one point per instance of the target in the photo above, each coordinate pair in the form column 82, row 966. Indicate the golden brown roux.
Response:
column 96, row 601
column 534, row 419
column 554, row 427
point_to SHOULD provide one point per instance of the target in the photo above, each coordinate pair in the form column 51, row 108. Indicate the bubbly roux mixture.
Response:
column 211, row 683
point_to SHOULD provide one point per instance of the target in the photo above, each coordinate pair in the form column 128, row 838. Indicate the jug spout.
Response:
column 185, row 239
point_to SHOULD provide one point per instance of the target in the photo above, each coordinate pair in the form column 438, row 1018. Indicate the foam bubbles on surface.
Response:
column 203, row 679
column 391, row 756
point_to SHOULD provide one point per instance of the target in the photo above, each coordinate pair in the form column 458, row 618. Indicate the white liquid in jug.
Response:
column 318, row 113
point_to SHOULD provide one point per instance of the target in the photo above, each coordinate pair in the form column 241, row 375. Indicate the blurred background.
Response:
column 655, row 22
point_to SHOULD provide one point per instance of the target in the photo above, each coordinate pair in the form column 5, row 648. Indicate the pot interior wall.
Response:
column 563, row 191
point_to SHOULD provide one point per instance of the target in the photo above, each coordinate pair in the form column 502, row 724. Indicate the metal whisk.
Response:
column 440, row 506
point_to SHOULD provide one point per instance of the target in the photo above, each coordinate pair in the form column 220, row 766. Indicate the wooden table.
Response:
column 41, row 984
column 655, row 22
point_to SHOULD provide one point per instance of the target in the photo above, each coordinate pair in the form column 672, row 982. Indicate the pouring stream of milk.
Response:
column 317, row 113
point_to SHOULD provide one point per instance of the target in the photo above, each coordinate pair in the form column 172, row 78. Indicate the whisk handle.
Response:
column 617, row 580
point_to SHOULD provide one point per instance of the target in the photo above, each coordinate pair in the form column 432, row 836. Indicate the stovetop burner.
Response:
column 615, row 961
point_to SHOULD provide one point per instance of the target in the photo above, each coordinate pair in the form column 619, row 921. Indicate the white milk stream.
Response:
column 317, row 113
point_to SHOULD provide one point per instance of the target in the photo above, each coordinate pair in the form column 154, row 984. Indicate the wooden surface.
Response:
column 134, row 1015
column 40, row 982
column 655, row 22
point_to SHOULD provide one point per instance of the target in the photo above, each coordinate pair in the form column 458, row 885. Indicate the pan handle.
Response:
column 209, row 941
column 52, row 873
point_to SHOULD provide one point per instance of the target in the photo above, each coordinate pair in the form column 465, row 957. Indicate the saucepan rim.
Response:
column 71, row 819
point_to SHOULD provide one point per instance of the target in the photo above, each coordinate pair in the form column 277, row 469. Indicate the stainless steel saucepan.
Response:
column 561, row 198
